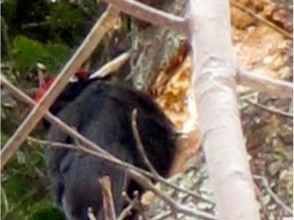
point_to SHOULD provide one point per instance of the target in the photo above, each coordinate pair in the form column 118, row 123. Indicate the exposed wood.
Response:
column 159, row 18
column 154, row 47
column 219, row 120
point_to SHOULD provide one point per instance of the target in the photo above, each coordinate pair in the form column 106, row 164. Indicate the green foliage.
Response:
column 8, row 10
column 27, row 52
column 64, row 16
column 37, row 31
column 44, row 211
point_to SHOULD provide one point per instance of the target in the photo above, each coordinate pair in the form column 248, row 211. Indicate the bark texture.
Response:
column 214, row 81
column 154, row 47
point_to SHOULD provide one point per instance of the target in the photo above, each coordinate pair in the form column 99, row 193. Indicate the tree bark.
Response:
column 153, row 47
column 215, row 75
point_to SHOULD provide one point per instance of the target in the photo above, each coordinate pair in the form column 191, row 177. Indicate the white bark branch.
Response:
column 111, row 66
column 151, row 15
column 218, row 114
column 19, row 95
column 102, row 26
column 179, row 24
column 271, row 86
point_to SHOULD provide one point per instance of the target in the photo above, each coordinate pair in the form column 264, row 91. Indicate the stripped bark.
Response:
column 153, row 47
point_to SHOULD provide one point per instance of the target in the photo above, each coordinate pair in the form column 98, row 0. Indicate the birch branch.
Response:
column 102, row 26
column 111, row 66
column 108, row 204
column 15, row 92
column 270, row 109
column 266, row 84
column 91, row 148
column 159, row 18
column 216, row 97
column 136, row 173
column 151, row 15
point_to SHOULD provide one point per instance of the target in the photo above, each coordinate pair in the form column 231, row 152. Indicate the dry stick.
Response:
column 21, row 96
column 103, row 25
column 177, row 23
column 89, row 150
column 51, row 118
column 4, row 199
column 262, row 19
column 152, row 169
column 108, row 205
column 136, row 174
column 271, row 86
column 151, row 15
column 270, row 109
column 67, row 129
column 127, row 210
column 111, row 66
column 140, row 145
column 135, row 203
column 91, row 215
column 272, row 194
column 105, row 155
column 147, row 184
column 15, row 92
column 162, row 216
column 159, row 18
column 174, row 205
column 263, row 210
column 33, row 192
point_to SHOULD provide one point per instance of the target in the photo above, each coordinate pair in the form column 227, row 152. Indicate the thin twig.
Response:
column 51, row 118
column 151, row 15
column 162, row 216
column 140, row 145
column 108, row 204
column 35, row 25
column 269, row 85
column 15, row 92
column 135, row 175
column 263, row 209
column 91, row 215
column 262, row 19
column 104, row 24
column 4, row 199
column 176, row 23
column 21, row 201
column 272, row 194
column 270, row 109
column 111, row 66
column 127, row 210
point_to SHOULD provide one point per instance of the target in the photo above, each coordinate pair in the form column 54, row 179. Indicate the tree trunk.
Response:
column 215, row 75
column 154, row 47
